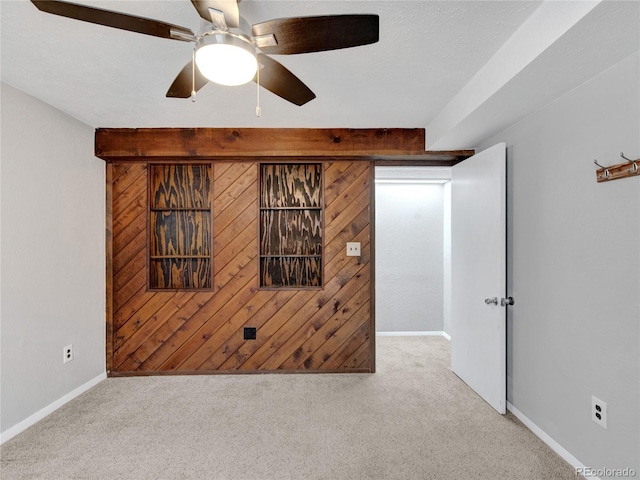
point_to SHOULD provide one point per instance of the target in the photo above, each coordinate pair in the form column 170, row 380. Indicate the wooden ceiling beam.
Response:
column 386, row 146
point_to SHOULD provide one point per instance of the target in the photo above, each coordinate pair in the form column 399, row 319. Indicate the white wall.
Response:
column 574, row 268
column 446, row 260
column 52, row 258
column 409, row 256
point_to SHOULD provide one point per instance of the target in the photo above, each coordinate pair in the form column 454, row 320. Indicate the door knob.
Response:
column 506, row 301
column 491, row 301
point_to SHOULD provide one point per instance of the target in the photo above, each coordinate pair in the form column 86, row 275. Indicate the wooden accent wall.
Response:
column 327, row 330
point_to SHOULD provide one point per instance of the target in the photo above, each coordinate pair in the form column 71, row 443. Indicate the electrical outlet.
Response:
column 67, row 354
column 599, row 412
column 353, row 249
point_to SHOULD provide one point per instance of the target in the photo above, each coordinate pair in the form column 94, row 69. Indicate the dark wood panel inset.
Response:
column 180, row 227
column 291, row 185
column 180, row 186
column 291, row 225
column 180, row 233
column 291, row 271
column 181, row 273
column 291, row 232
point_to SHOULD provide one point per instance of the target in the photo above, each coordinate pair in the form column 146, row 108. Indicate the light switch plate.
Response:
column 353, row 249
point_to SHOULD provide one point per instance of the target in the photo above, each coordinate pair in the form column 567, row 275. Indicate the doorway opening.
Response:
column 413, row 251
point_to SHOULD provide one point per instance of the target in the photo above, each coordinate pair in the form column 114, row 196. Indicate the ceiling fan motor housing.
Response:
column 226, row 58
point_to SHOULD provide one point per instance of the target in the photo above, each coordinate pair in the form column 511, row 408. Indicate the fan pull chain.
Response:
column 193, row 76
column 258, row 109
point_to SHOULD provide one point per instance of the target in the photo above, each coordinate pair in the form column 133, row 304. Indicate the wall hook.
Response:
column 606, row 170
column 628, row 168
column 633, row 170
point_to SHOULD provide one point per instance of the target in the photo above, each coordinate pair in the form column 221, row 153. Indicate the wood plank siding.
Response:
column 322, row 330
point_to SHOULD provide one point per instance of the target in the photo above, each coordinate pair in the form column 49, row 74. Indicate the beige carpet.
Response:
column 413, row 419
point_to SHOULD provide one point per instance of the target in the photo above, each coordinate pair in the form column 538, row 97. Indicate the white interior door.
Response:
column 478, row 274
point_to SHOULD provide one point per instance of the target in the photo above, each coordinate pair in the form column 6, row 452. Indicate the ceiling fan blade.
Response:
column 183, row 84
column 228, row 7
column 277, row 79
column 108, row 18
column 318, row 34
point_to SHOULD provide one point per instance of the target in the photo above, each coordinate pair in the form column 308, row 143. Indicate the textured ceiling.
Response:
column 105, row 77
column 461, row 69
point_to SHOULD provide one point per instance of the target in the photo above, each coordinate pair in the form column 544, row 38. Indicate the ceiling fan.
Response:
column 230, row 52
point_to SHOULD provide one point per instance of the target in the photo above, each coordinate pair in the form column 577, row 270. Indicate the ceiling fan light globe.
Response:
column 226, row 59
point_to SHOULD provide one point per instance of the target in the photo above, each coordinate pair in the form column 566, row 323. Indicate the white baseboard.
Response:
column 52, row 407
column 555, row 446
column 438, row 333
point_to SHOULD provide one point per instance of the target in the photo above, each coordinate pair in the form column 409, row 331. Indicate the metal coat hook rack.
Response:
column 621, row 170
